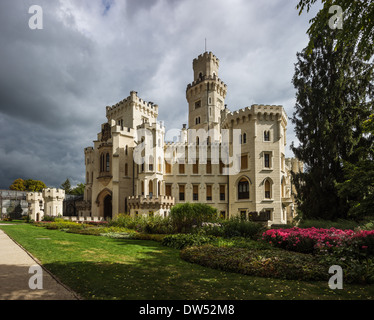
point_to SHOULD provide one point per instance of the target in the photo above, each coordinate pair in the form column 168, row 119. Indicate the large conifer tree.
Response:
column 334, row 97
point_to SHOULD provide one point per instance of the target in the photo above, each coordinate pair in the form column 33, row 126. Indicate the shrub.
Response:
column 152, row 225
column 180, row 241
column 341, row 242
column 186, row 215
column 48, row 218
column 263, row 263
column 235, row 227
column 240, row 242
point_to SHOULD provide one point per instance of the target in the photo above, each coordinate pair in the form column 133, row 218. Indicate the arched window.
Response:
column 267, row 189
column 243, row 189
column 107, row 163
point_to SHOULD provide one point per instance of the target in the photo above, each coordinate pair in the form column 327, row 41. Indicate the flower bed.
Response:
column 311, row 240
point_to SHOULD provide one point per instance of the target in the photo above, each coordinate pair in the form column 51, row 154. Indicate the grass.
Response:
column 104, row 268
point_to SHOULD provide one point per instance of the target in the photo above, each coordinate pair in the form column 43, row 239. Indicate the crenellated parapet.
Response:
column 132, row 101
column 255, row 112
column 53, row 194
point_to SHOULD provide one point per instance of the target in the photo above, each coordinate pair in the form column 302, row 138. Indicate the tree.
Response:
column 358, row 186
column 358, row 24
column 28, row 185
column 35, row 185
column 18, row 185
column 334, row 96
column 66, row 186
column 78, row 190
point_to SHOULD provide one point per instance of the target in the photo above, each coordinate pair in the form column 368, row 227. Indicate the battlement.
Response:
column 206, row 56
column 260, row 112
column 88, row 150
column 54, row 193
column 214, row 78
column 132, row 98
column 34, row 196
column 119, row 109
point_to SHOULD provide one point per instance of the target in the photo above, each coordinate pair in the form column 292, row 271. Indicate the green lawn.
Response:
column 103, row 268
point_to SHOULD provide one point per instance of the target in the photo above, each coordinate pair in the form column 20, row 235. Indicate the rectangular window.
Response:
column 195, row 192
column 181, row 168
column 222, row 192
column 267, row 163
column 209, row 167
column 244, row 162
column 168, row 190
column 181, row 192
column 197, row 104
column 243, row 215
column 209, row 192
column 266, row 135
column 221, row 166
column 195, row 168
column 167, row 167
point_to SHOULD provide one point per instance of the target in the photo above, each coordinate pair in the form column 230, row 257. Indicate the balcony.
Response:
column 142, row 202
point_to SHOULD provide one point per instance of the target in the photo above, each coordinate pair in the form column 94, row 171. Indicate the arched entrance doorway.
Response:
column 108, row 207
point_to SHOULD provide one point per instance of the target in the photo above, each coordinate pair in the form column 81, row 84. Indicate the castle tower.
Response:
column 206, row 94
column 36, row 205
column 53, row 201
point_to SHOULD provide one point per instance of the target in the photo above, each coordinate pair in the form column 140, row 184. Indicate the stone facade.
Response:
column 234, row 161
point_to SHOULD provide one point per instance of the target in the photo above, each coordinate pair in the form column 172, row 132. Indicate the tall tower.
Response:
column 206, row 94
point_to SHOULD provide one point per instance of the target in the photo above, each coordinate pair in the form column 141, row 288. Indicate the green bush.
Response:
column 48, row 218
column 240, row 242
column 185, row 216
column 180, row 241
column 235, row 227
column 263, row 263
column 151, row 225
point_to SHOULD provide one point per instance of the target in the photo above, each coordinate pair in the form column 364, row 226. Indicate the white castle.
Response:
column 233, row 161
column 49, row 202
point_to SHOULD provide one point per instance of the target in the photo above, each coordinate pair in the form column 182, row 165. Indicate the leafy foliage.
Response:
column 27, row 185
column 358, row 24
column 186, row 215
column 180, row 241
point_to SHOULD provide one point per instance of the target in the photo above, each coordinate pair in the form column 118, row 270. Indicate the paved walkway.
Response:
column 15, row 263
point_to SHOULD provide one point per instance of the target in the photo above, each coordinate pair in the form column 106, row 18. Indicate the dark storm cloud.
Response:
column 56, row 82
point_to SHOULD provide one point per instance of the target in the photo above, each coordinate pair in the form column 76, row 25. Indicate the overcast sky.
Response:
column 56, row 82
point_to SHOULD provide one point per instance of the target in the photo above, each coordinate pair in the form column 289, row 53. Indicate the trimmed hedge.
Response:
column 262, row 263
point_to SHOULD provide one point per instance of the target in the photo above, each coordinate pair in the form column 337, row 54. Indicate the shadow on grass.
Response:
column 145, row 270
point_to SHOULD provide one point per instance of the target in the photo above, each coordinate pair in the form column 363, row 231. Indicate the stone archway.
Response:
column 104, row 203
